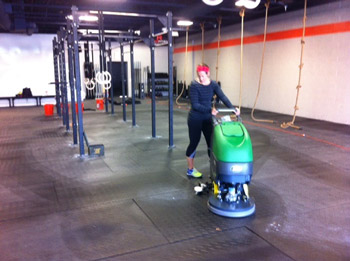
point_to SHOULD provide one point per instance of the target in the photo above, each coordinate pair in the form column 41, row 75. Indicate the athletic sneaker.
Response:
column 194, row 173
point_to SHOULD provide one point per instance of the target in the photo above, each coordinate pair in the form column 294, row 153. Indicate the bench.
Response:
column 38, row 99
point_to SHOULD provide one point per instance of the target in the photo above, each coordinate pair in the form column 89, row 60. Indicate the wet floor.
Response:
column 136, row 203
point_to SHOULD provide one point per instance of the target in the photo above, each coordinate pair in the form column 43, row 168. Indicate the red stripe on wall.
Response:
column 282, row 35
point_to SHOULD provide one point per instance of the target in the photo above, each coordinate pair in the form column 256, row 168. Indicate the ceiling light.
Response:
column 212, row 2
column 86, row 18
column 248, row 3
column 184, row 23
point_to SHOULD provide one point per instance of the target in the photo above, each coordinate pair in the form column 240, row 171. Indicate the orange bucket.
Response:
column 48, row 109
column 100, row 104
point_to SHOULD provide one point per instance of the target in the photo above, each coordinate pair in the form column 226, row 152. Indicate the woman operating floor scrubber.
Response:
column 199, row 118
column 231, row 168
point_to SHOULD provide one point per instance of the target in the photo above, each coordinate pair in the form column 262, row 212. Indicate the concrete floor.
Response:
column 136, row 203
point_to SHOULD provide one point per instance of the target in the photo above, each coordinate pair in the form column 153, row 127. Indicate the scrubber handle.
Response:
column 227, row 110
column 230, row 110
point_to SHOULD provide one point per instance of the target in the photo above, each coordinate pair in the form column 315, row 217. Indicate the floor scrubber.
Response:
column 231, row 168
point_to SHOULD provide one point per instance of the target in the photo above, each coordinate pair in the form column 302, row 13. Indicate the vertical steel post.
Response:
column 86, row 52
column 59, row 39
column 103, row 66
column 104, row 60
column 65, row 91
column 132, row 82
column 93, row 95
column 78, row 79
column 152, row 47
column 100, row 49
column 55, row 65
column 71, row 81
column 86, row 62
column 170, row 79
column 110, row 71
column 123, row 79
column 60, row 74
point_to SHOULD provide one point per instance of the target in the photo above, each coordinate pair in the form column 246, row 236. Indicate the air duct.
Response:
column 5, row 22
column 12, row 18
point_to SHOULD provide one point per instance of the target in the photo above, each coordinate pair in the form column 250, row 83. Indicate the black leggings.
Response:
column 197, row 125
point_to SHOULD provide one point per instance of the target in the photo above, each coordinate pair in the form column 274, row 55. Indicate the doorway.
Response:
column 117, row 78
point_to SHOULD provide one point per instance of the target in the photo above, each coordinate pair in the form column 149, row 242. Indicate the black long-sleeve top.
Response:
column 201, row 97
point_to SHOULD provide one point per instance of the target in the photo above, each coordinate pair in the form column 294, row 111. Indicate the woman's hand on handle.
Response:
column 238, row 112
column 214, row 111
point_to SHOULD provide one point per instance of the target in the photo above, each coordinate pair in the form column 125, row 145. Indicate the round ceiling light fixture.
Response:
column 212, row 2
column 184, row 23
column 248, row 3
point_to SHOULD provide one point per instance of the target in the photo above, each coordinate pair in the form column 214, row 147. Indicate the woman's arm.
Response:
column 224, row 99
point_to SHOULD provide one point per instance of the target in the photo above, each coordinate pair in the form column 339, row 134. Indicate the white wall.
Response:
column 325, row 79
column 27, row 61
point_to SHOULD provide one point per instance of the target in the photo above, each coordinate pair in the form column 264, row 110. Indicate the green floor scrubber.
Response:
column 231, row 168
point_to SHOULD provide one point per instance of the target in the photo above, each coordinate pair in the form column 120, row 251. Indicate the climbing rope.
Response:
column 241, row 13
column 285, row 125
column 267, row 5
column 219, row 19
column 218, row 50
column 202, row 27
column 185, row 69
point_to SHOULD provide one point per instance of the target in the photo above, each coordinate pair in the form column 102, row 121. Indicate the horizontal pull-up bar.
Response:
column 125, row 14
column 114, row 36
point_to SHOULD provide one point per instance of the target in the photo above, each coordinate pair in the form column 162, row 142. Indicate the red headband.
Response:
column 202, row 69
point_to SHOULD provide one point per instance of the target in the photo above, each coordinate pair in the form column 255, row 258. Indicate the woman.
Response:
column 200, row 116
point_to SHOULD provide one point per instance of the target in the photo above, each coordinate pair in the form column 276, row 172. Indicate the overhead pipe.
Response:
column 5, row 22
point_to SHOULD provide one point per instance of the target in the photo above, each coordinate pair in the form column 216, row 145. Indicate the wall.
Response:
column 142, row 54
column 325, row 80
column 27, row 61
